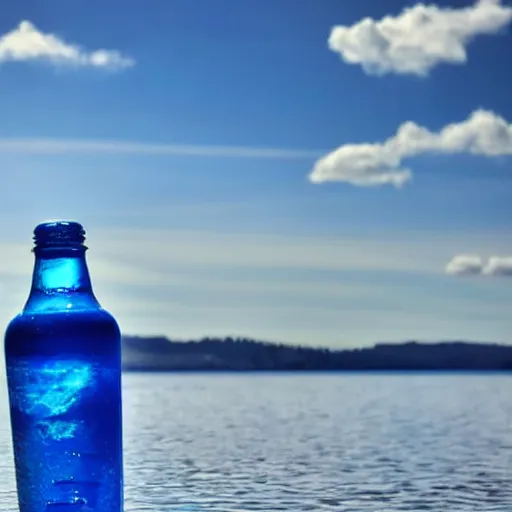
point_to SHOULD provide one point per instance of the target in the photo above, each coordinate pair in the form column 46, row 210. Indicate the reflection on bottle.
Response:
column 49, row 388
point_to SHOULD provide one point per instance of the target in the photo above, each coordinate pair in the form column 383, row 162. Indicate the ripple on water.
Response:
column 300, row 443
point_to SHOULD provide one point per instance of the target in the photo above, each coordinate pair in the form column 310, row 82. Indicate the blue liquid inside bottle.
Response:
column 63, row 360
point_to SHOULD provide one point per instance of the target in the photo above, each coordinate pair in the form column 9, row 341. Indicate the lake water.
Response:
column 331, row 442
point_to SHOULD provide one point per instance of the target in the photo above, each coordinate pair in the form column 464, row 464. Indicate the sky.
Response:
column 304, row 171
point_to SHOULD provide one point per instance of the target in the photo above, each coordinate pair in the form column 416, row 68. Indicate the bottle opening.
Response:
column 59, row 234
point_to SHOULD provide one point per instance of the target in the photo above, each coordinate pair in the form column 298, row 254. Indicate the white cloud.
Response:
column 473, row 264
column 465, row 264
column 483, row 133
column 363, row 165
column 27, row 43
column 499, row 266
column 419, row 38
column 84, row 146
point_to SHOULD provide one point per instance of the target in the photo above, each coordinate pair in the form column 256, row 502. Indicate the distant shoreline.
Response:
column 241, row 355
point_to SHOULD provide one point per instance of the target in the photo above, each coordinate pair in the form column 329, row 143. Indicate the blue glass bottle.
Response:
column 63, row 360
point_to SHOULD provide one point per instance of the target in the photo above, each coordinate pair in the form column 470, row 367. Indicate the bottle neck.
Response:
column 60, row 281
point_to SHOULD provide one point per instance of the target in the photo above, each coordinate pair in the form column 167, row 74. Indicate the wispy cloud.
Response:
column 373, row 164
column 27, row 43
column 419, row 38
column 189, row 283
column 148, row 251
column 65, row 146
column 418, row 252
column 151, row 250
column 474, row 265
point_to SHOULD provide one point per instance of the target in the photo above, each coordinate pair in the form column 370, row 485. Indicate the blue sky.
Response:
column 238, row 169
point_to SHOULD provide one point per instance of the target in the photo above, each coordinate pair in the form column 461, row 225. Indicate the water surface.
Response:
column 332, row 442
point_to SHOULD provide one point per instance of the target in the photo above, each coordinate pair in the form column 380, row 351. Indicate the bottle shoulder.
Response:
column 60, row 301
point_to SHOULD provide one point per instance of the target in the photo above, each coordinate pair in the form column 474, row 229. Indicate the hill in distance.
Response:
column 159, row 354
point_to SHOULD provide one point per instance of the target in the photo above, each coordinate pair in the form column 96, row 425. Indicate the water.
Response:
column 63, row 371
column 310, row 442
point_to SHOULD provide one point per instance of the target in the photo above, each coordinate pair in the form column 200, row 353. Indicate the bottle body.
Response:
column 63, row 362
